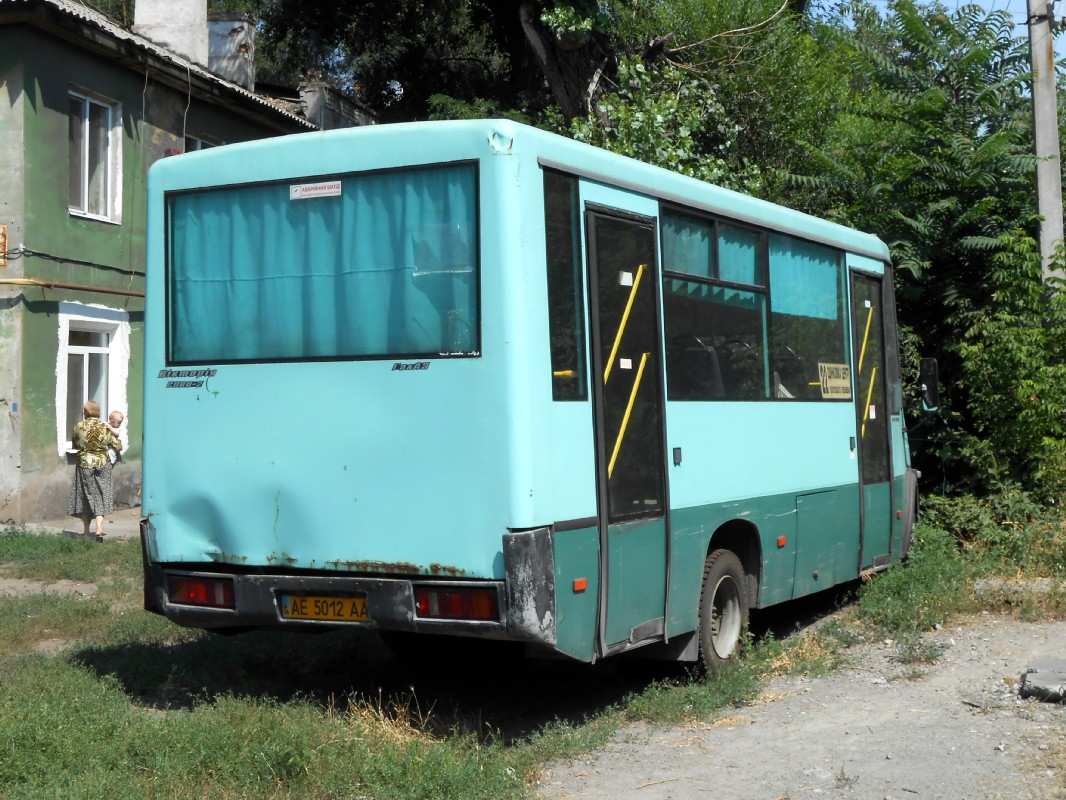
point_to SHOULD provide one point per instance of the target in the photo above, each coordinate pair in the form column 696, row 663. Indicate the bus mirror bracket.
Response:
column 930, row 385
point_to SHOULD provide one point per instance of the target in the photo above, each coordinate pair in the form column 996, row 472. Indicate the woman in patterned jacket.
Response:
column 92, row 493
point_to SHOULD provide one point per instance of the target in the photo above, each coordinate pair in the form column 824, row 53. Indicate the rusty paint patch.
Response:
column 229, row 558
column 281, row 558
column 395, row 567
column 445, row 569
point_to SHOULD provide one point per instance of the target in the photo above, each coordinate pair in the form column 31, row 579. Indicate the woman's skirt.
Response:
column 92, row 492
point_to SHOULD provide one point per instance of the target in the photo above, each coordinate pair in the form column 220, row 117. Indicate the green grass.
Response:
column 934, row 585
column 65, row 557
column 102, row 699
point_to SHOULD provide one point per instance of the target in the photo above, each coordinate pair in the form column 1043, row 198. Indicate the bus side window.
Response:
column 714, row 342
column 714, row 308
column 809, row 315
column 692, row 369
column 566, row 325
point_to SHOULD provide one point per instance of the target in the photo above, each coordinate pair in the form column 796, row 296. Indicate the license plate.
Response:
column 332, row 609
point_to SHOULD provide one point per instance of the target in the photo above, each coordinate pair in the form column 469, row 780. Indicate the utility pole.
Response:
column 1046, row 130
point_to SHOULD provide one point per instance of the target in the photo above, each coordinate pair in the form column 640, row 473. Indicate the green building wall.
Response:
column 68, row 249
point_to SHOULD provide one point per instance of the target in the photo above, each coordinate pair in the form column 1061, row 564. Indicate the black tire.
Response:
column 723, row 609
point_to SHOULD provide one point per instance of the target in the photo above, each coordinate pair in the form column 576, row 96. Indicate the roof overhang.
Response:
column 98, row 33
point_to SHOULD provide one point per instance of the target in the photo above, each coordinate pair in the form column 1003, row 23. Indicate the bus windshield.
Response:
column 360, row 265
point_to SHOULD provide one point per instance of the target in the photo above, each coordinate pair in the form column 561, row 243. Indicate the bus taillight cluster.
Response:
column 435, row 602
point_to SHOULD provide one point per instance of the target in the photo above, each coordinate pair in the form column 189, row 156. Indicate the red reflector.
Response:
column 781, row 540
column 195, row 591
column 438, row 602
column 899, row 515
column 581, row 584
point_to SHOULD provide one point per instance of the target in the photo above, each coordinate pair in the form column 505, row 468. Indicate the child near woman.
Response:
column 114, row 422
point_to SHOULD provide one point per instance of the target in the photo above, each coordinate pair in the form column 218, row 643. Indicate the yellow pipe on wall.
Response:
column 80, row 287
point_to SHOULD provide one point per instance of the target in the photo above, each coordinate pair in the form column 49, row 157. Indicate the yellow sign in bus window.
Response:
column 836, row 381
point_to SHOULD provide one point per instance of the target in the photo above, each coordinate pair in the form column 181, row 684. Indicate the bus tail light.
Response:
column 191, row 590
column 439, row 602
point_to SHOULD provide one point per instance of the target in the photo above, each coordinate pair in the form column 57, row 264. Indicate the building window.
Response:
column 193, row 143
column 94, row 164
column 93, row 364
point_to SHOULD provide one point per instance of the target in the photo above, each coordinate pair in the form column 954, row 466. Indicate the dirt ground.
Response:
column 957, row 729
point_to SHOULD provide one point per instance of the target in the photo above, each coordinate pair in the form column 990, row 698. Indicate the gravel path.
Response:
column 955, row 729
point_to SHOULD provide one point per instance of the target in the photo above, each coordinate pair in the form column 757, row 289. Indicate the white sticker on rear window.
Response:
column 305, row 191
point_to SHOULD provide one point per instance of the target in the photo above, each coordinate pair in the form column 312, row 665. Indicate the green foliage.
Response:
column 441, row 106
column 1014, row 379
column 394, row 55
column 1009, row 529
column 572, row 23
column 934, row 155
column 933, row 586
column 667, row 117
column 119, row 10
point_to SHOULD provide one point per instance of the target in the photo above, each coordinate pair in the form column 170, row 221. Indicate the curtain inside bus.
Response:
column 357, row 265
column 809, row 334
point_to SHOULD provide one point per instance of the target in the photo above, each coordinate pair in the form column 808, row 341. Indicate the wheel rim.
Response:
column 726, row 617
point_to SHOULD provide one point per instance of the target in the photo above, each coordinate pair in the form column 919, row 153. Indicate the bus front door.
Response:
column 875, row 472
column 628, row 408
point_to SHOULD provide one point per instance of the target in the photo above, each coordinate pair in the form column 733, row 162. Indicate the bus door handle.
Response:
column 853, row 444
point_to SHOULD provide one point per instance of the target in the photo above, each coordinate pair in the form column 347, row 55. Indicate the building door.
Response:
column 628, row 408
column 875, row 458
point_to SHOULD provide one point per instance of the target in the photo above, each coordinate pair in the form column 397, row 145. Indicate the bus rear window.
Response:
column 370, row 265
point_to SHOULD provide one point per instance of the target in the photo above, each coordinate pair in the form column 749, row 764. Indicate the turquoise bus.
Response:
column 475, row 379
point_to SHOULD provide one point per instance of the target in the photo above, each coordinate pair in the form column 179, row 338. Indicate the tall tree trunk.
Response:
column 571, row 70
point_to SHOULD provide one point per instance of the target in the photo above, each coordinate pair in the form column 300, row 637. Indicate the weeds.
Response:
column 934, row 585
column 845, row 781
column 914, row 648
column 72, row 558
column 129, row 704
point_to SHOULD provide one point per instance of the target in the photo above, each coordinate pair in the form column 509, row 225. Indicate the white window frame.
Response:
column 112, row 159
column 99, row 319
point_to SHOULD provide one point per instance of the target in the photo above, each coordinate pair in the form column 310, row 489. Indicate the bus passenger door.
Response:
column 875, row 458
column 628, row 409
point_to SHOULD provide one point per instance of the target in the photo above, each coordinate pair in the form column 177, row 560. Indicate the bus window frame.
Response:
column 764, row 289
column 168, row 267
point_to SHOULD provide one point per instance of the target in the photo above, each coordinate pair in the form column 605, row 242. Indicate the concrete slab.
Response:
column 124, row 523
column 1045, row 680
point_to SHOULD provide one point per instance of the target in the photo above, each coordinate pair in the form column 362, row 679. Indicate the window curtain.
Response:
column 737, row 255
column 687, row 245
column 387, row 267
column 804, row 279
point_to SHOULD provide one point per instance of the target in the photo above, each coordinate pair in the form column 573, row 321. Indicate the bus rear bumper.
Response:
column 525, row 602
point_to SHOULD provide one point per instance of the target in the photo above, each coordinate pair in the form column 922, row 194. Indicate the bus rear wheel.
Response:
column 723, row 609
